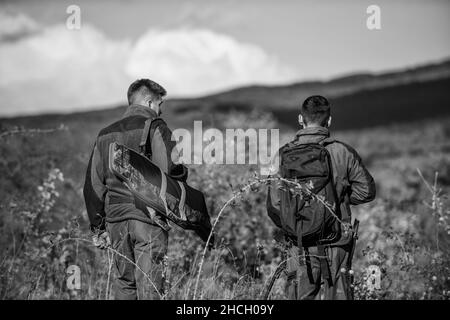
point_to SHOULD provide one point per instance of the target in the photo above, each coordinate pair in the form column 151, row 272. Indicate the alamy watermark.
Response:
column 73, row 281
column 231, row 147
column 73, row 21
column 373, row 21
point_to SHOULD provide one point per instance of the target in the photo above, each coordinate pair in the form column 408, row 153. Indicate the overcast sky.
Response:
column 201, row 46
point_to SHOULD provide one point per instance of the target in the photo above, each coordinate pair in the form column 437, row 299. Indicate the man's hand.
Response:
column 101, row 240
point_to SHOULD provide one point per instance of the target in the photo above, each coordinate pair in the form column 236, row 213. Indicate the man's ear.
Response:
column 300, row 120
column 329, row 122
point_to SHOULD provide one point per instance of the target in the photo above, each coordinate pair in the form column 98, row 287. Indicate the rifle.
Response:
column 355, row 229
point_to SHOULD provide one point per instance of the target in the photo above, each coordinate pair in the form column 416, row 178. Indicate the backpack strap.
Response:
column 327, row 141
column 145, row 146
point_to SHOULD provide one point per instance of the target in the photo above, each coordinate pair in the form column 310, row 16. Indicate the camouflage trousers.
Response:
column 306, row 280
column 145, row 245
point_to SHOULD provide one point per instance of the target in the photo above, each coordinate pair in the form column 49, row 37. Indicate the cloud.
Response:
column 61, row 70
column 56, row 69
column 197, row 61
column 16, row 26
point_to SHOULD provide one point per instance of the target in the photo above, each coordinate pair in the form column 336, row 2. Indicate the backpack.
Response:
column 303, row 218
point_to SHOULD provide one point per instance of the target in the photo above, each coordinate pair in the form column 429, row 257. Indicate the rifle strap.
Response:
column 145, row 146
column 142, row 144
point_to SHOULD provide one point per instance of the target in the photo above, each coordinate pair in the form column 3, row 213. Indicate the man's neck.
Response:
column 311, row 126
column 313, row 130
column 138, row 109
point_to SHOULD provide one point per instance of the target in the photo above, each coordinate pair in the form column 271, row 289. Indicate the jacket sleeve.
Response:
column 362, row 185
column 94, row 191
column 273, row 192
column 165, row 154
column 273, row 205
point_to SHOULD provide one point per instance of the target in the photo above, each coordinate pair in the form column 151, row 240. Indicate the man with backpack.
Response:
column 319, row 179
column 139, row 238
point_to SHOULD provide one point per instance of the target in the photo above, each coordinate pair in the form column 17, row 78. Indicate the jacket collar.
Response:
column 314, row 131
column 140, row 110
column 312, row 135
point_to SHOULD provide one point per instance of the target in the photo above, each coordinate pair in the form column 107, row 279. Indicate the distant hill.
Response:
column 289, row 96
column 360, row 100
column 378, row 107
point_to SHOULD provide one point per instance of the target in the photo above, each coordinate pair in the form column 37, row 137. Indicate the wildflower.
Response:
column 259, row 246
column 46, row 195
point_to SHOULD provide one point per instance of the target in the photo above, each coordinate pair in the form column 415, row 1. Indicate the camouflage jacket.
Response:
column 107, row 198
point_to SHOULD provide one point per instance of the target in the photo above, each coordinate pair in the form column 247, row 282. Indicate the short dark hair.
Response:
column 316, row 110
column 145, row 86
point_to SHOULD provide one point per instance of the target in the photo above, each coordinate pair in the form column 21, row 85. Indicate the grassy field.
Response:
column 44, row 227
